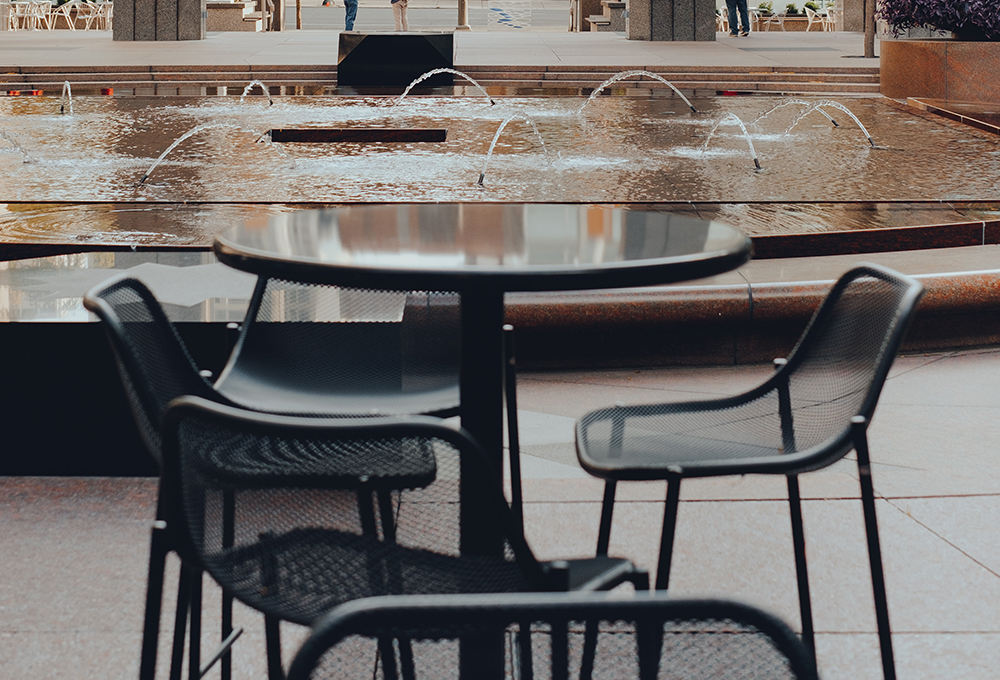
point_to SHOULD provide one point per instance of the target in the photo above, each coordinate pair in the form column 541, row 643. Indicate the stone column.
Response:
column 5, row 10
column 671, row 20
column 852, row 13
column 160, row 20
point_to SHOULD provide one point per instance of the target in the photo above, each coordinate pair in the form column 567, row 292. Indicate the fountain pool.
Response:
column 618, row 150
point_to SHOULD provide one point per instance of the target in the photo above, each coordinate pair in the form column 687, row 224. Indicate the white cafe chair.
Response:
column 776, row 19
column 814, row 18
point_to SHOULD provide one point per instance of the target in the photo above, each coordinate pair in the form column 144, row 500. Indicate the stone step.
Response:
column 675, row 78
column 703, row 87
column 662, row 70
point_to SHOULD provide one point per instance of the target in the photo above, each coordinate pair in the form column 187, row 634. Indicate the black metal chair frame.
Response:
column 242, row 368
column 441, row 616
column 556, row 575
column 162, row 539
column 852, row 436
column 147, row 413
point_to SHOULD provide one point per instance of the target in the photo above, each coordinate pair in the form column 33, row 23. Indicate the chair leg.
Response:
column 180, row 622
column 859, row 425
column 194, row 655
column 513, row 436
column 667, row 537
column 272, row 632
column 228, row 538
column 158, row 549
column 607, row 510
column 801, row 571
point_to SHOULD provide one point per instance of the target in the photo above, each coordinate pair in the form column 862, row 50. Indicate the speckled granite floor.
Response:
column 74, row 550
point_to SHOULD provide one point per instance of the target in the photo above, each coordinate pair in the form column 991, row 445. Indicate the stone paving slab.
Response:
column 74, row 550
column 96, row 48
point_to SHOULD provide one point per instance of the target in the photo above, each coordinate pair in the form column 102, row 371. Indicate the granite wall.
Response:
column 671, row 20
column 160, row 20
column 940, row 69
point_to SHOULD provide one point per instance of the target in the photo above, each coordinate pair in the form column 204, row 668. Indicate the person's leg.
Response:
column 352, row 12
column 402, row 13
column 397, row 14
column 733, row 20
column 744, row 16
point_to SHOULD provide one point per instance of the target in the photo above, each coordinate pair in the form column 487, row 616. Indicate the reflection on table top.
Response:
column 191, row 286
column 515, row 247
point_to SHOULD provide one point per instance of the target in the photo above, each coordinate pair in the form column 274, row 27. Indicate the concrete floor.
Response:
column 74, row 549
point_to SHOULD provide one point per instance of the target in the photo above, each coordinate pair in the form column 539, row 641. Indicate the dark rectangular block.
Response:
column 394, row 59
column 363, row 135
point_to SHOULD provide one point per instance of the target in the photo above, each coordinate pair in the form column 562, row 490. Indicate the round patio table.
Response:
column 483, row 251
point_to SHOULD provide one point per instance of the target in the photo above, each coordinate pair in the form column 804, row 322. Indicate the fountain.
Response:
column 496, row 137
column 634, row 74
column 264, row 90
column 746, row 135
column 67, row 96
column 624, row 150
column 436, row 71
column 13, row 142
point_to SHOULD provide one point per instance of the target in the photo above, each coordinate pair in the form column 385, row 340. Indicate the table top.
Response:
column 506, row 247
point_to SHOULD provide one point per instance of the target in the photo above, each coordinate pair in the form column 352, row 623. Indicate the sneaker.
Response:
column 733, row 35
column 745, row 34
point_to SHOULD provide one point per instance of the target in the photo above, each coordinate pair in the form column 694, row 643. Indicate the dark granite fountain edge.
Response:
column 727, row 324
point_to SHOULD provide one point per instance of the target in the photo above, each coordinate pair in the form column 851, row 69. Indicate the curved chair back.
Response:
column 543, row 635
column 839, row 366
column 154, row 364
column 323, row 511
column 311, row 349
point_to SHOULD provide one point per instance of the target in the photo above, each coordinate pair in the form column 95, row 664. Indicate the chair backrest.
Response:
column 154, row 364
column 838, row 368
column 545, row 636
column 323, row 511
column 341, row 351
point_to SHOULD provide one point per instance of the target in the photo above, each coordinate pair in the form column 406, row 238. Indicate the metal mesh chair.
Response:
column 310, row 349
column 809, row 414
column 155, row 368
column 375, row 506
column 546, row 636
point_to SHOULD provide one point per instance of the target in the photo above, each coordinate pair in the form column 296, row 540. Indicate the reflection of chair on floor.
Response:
column 156, row 368
column 809, row 414
column 814, row 18
column 645, row 637
column 371, row 506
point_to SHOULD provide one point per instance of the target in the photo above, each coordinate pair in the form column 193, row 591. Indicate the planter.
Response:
column 941, row 69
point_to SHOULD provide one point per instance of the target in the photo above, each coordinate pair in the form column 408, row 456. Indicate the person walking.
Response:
column 351, row 7
column 739, row 6
column 399, row 14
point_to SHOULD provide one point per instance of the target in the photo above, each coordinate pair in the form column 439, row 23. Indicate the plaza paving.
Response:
column 74, row 550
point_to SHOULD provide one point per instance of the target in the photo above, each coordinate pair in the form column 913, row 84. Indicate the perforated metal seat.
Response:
column 545, row 636
column 809, row 414
column 298, row 545
column 311, row 349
